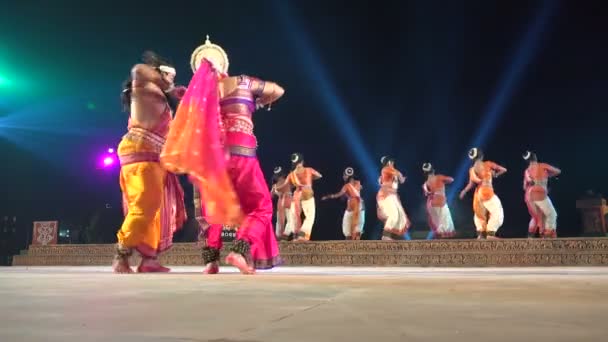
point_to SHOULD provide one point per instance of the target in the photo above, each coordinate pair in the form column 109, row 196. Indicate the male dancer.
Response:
column 152, row 197
column 439, row 216
column 487, row 208
column 212, row 140
column 536, row 178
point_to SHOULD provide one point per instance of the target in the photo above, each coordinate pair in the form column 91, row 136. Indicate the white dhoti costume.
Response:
column 290, row 224
column 309, row 210
column 547, row 213
column 493, row 208
column 441, row 220
column 347, row 222
column 392, row 213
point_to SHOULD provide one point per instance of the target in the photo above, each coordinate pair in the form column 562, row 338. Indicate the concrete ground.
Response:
column 305, row 304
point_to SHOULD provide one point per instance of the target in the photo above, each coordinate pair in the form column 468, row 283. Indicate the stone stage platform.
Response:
column 303, row 304
column 440, row 253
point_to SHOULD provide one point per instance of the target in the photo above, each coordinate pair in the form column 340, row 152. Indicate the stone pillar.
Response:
column 593, row 213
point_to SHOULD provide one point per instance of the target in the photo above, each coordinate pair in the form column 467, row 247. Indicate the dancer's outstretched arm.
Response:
column 553, row 171
column 466, row 189
column 334, row 196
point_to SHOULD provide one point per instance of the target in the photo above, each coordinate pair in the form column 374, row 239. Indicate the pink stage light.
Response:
column 108, row 161
column 110, row 150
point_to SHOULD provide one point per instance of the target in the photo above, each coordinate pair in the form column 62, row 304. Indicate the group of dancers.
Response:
column 205, row 131
column 487, row 208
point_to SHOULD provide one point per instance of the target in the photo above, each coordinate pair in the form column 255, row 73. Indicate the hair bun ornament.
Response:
column 527, row 155
column 473, row 153
column 427, row 167
column 277, row 170
column 295, row 158
column 349, row 171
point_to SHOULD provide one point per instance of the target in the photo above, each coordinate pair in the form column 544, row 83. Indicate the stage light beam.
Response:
column 510, row 79
column 327, row 93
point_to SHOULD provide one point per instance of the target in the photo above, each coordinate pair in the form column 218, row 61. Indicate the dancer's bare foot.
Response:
column 238, row 261
column 121, row 265
column 212, row 268
column 151, row 265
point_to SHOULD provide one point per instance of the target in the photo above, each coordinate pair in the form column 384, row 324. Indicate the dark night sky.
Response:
column 415, row 78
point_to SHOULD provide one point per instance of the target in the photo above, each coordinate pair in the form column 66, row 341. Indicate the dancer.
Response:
column 213, row 122
column 285, row 217
column 354, row 213
column 152, row 197
column 487, row 208
column 439, row 216
column 390, row 210
column 536, row 178
column 301, row 178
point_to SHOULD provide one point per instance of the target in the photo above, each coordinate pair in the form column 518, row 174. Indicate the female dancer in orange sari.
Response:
column 354, row 215
column 536, row 178
column 439, row 216
column 212, row 140
column 487, row 208
column 390, row 209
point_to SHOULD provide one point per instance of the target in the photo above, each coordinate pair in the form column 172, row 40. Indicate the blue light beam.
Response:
column 524, row 56
column 339, row 113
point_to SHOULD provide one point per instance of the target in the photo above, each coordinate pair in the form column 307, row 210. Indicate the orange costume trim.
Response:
column 484, row 190
column 536, row 178
column 436, row 188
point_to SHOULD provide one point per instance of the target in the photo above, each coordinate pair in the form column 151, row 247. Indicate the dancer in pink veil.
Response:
column 213, row 142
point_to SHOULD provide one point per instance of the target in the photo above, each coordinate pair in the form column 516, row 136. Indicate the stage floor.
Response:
column 316, row 304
